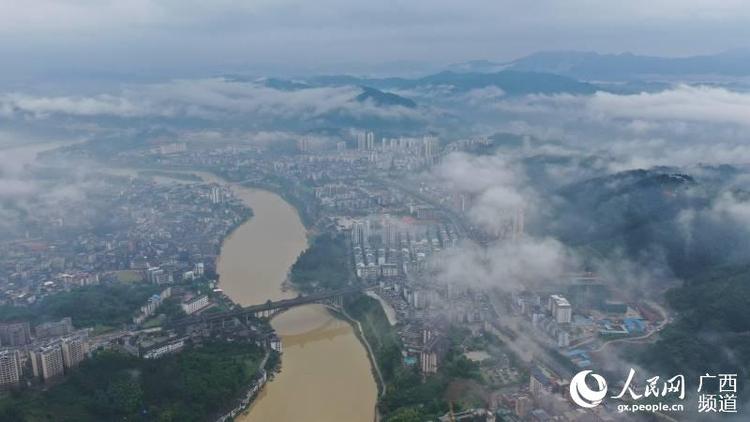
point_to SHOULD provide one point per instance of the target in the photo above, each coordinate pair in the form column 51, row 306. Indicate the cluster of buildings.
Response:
column 546, row 399
column 152, row 304
column 583, row 318
column 357, row 197
column 552, row 317
column 425, row 313
column 387, row 247
column 129, row 228
column 126, row 229
column 54, row 349
column 395, row 232
column 410, row 152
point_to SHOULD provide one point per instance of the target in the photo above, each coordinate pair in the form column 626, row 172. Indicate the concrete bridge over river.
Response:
column 334, row 299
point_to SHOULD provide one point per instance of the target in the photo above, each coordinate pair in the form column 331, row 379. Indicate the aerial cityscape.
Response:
column 374, row 212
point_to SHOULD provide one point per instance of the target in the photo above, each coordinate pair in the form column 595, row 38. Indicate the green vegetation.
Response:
column 129, row 276
column 323, row 266
column 194, row 385
column 106, row 304
column 408, row 390
column 711, row 332
column 383, row 339
column 408, row 396
column 170, row 310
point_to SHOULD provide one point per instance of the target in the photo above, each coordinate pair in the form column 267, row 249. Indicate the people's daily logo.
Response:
column 582, row 394
column 715, row 393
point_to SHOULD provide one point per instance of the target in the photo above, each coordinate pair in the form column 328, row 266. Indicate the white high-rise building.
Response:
column 390, row 234
column 199, row 269
column 360, row 232
column 47, row 361
column 10, row 367
column 74, row 349
column 361, row 138
column 216, row 195
column 431, row 146
column 304, row 144
column 560, row 308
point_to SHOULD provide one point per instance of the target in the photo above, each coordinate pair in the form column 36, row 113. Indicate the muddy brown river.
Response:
column 326, row 375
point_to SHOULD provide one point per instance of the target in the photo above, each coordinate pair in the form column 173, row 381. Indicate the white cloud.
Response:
column 684, row 103
column 77, row 106
column 509, row 266
column 729, row 209
column 495, row 187
column 207, row 98
column 682, row 126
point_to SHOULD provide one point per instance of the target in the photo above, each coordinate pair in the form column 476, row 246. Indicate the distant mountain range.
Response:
column 511, row 82
column 376, row 90
column 381, row 98
column 552, row 72
column 626, row 66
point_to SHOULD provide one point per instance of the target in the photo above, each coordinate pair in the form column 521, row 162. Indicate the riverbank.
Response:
column 117, row 386
column 307, row 212
column 319, row 348
column 268, row 367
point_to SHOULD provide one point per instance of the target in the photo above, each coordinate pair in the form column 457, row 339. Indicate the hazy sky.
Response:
column 188, row 37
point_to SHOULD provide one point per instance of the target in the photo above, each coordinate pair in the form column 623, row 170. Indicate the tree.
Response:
column 406, row 414
column 125, row 394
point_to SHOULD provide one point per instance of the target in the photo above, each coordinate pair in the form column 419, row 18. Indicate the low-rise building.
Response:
column 195, row 304
column 165, row 348
column 274, row 343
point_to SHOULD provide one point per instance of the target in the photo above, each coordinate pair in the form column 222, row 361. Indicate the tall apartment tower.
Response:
column 390, row 235
column 15, row 333
column 10, row 368
column 199, row 269
column 430, row 147
column 361, row 140
column 358, row 233
column 560, row 309
column 47, row 361
column 74, row 350
column 215, row 195
column 54, row 329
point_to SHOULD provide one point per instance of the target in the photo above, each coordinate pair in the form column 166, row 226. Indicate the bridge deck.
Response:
column 268, row 306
